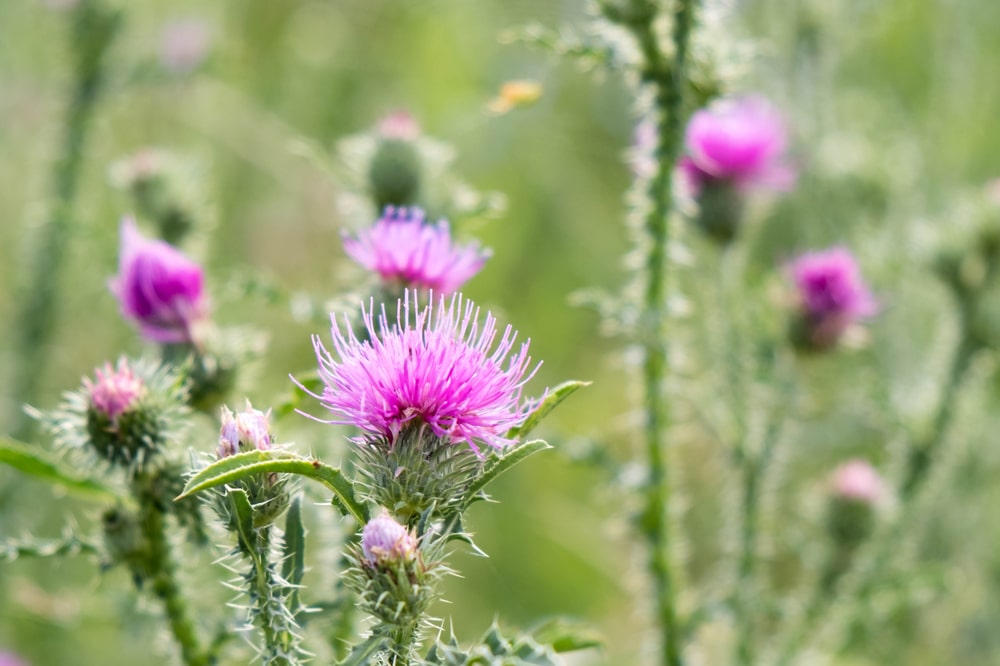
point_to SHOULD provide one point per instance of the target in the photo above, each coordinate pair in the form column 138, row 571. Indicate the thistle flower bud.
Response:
column 11, row 659
column 115, row 391
column 163, row 187
column 184, row 45
column 856, row 490
column 244, row 431
column 384, row 541
column 733, row 148
column 159, row 289
column 832, row 297
column 396, row 170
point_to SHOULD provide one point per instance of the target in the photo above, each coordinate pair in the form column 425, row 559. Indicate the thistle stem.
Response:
column 94, row 30
column 666, row 77
column 164, row 583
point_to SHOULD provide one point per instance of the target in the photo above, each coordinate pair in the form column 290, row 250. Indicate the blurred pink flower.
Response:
column 115, row 391
column 398, row 125
column 184, row 44
column 832, row 294
column 858, row 481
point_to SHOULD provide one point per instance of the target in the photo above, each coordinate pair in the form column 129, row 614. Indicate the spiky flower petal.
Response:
column 407, row 251
column 436, row 365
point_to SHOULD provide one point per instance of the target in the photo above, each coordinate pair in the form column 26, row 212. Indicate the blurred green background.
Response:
column 893, row 107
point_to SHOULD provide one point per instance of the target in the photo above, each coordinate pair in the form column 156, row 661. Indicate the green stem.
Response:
column 94, row 29
column 164, row 582
column 666, row 78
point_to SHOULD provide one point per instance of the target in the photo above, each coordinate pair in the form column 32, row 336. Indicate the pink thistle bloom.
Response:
column 398, row 126
column 404, row 250
column 739, row 141
column 159, row 289
column 383, row 541
column 434, row 367
column 11, row 659
column 115, row 391
column 832, row 293
column 857, row 480
column 244, row 431
column 184, row 44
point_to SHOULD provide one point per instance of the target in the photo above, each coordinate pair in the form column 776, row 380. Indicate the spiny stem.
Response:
column 94, row 29
column 666, row 77
column 164, row 583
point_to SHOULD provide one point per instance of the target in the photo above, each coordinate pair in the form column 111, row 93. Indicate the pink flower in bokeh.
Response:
column 115, row 391
column 158, row 288
column 404, row 250
column 858, row 481
column 398, row 125
column 184, row 44
column 436, row 366
column 739, row 141
column 832, row 294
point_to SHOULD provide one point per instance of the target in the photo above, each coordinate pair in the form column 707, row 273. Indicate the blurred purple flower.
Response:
column 739, row 141
column 11, row 659
column 184, row 44
column 406, row 251
column 398, row 125
column 433, row 367
column 158, row 288
column 115, row 391
column 832, row 293
column 383, row 541
column 856, row 480
column 244, row 431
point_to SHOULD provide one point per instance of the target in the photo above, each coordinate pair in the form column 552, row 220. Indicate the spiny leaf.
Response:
column 497, row 465
column 28, row 460
column 564, row 635
column 242, row 465
column 552, row 399
column 362, row 653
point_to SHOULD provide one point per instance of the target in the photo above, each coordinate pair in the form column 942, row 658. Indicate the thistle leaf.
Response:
column 294, row 564
column 563, row 635
column 498, row 464
column 248, row 463
column 28, row 460
column 552, row 399
column 243, row 512
column 362, row 653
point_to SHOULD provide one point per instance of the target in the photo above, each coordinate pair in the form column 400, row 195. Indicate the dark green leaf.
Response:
column 552, row 399
column 243, row 513
column 248, row 463
column 28, row 460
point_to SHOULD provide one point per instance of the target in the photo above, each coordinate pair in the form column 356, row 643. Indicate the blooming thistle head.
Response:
column 244, row 431
column 399, row 125
column 114, row 391
column 832, row 296
column 406, row 251
column 857, row 481
column 158, row 288
column 436, row 366
column 385, row 541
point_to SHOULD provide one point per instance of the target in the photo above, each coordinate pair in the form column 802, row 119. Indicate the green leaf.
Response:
column 248, row 463
column 243, row 512
column 497, row 465
column 293, row 565
column 362, row 653
column 551, row 401
column 29, row 460
column 564, row 635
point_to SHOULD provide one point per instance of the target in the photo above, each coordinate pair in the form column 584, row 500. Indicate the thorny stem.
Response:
column 666, row 77
column 164, row 582
column 94, row 29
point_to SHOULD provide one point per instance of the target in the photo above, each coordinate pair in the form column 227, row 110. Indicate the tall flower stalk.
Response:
column 665, row 76
column 93, row 31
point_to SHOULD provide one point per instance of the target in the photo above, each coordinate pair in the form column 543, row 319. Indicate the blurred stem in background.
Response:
column 665, row 75
column 93, row 31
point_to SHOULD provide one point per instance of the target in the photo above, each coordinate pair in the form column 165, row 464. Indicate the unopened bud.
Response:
column 384, row 541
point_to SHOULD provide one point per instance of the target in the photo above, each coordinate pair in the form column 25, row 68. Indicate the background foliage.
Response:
column 893, row 106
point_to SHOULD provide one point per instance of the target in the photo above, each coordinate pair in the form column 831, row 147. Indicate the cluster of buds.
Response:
column 250, row 430
column 733, row 148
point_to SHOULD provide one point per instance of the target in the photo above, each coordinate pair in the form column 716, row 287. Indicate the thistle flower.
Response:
column 244, row 431
column 115, row 391
column 385, row 541
column 832, row 295
column 11, row 659
column 857, row 481
column 406, row 251
column 739, row 142
column 159, row 289
column 434, row 367
column 398, row 125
